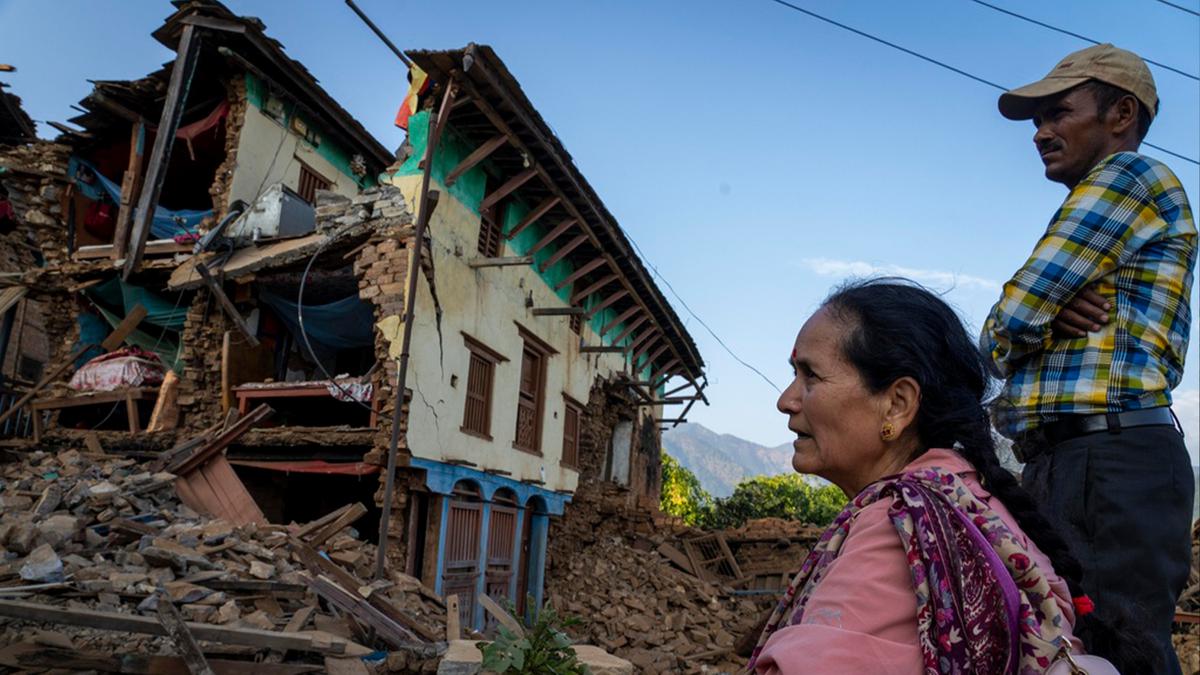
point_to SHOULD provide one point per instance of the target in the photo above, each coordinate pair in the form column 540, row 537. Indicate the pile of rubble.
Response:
column 641, row 588
column 93, row 544
column 636, row 605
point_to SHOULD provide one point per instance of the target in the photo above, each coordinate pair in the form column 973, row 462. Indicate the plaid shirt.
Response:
column 1127, row 226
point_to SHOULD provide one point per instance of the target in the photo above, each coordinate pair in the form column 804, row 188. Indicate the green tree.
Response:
column 785, row 496
column 682, row 495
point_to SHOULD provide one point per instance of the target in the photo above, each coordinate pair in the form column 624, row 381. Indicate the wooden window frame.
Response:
column 491, row 231
column 543, row 351
column 570, row 406
column 315, row 178
column 490, row 357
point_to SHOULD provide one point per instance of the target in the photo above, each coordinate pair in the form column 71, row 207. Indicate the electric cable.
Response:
column 300, row 316
column 1180, row 7
column 1077, row 35
column 941, row 64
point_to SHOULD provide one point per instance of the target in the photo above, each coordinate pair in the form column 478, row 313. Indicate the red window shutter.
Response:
column 310, row 182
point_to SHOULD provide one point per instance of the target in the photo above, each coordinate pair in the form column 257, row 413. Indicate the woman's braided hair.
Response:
column 899, row 329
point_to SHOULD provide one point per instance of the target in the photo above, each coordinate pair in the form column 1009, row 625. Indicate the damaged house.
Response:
column 253, row 247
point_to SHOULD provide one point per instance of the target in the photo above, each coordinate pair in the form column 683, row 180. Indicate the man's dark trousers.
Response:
column 1124, row 500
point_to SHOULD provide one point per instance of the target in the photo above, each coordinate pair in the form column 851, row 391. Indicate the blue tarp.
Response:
column 166, row 223
column 159, row 311
column 342, row 324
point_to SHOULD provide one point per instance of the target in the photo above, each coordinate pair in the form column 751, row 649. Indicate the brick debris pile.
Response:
column 621, row 570
column 90, row 542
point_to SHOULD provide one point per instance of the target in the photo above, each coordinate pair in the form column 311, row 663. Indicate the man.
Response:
column 1090, row 336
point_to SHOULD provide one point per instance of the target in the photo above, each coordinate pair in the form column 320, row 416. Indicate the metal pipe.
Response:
column 371, row 24
column 428, row 202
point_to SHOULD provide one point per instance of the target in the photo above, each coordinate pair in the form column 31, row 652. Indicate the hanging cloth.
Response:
column 187, row 133
column 166, row 224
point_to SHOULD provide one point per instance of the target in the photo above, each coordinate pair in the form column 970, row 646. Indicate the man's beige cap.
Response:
column 1106, row 63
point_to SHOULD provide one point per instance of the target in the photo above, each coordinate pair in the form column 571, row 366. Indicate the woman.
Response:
column 940, row 563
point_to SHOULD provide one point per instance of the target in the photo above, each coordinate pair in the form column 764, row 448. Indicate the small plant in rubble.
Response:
column 544, row 648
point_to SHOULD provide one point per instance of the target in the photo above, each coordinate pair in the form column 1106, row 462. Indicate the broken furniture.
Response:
column 129, row 396
column 273, row 391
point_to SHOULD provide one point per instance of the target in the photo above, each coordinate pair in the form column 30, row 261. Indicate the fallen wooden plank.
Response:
column 300, row 619
column 354, row 604
column 172, row 621
column 193, row 460
column 226, row 304
column 677, row 557
column 253, row 637
column 351, row 514
column 166, row 408
column 502, row 616
column 215, row 489
column 313, row 526
column 28, row 655
column 453, row 631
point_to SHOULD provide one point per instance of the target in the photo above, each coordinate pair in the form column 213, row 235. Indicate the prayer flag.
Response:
column 417, row 82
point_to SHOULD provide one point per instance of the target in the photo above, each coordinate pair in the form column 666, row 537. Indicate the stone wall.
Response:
column 609, row 404
column 200, row 384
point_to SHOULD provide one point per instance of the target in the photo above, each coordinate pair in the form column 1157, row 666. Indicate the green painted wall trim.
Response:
column 452, row 149
column 332, row 152
column 469, row 190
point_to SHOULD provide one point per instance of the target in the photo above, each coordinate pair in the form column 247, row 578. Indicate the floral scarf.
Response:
column 983, row 606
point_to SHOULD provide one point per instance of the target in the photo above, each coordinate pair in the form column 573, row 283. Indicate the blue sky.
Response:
column 756, row 155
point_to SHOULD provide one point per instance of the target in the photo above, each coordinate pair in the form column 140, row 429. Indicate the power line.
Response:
column 1179, row 7
column 697, row 318
column 942, row 64
column 1077, row 35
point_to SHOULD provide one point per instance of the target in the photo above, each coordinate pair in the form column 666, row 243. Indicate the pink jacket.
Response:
column 862, row 618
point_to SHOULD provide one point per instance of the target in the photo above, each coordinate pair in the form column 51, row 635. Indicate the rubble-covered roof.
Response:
column 230, row 43
column 487, row 76
column 15, row 125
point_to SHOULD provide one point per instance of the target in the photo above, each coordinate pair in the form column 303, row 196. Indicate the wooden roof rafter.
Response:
column 607, row 302
column 620, row 318
column 501, row 125
column 579, row 295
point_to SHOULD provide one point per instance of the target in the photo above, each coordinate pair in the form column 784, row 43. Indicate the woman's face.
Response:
column 837, row 420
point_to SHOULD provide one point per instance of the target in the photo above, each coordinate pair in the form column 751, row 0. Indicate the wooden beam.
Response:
column 619, row 319
column 601, row 350
column 680, row 388
column 226, row 304
column 356, row 511
column 172, row 621
column 131, row 186
column 160, row 155
column 532, row 217
column 507, row 188
column 28, row 655
column 657, row 353
column 129, row 623
column 567, row 170
column 504, row 618
column 683, row 415
column 604, row 304
column 579, row 273
column 630, row 327
column 564, row 251
column 664, row 370
column 478, row 155
column 646, row 346
column 557, row 311
column 641, row 338
column 477, row 263
column 578, row 296
column 453, row 630
column 676, row 420
column 552, row 235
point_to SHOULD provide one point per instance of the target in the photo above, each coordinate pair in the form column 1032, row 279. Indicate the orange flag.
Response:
column 417, row 83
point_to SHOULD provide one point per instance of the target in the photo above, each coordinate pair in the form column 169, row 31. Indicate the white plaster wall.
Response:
column 267, row 150
column 486, row 303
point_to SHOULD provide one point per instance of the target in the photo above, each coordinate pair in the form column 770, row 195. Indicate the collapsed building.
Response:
column 252, row 244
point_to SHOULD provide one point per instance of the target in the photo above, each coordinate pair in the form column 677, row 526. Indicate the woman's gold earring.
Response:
column 888, row 432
